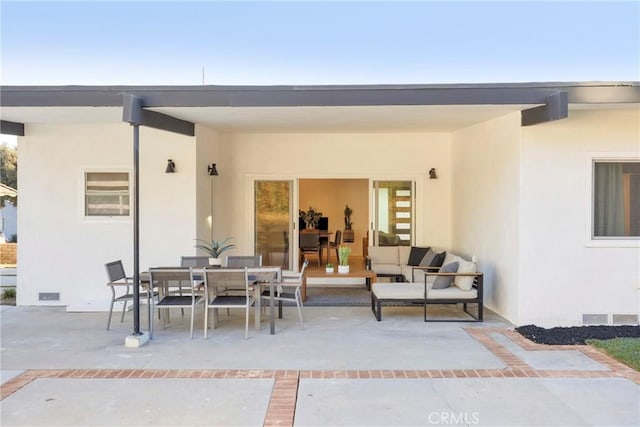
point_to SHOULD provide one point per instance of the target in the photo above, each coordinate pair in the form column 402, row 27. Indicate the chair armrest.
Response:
column 120, row 283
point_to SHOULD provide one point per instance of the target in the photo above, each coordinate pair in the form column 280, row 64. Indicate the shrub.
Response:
column 9, row 293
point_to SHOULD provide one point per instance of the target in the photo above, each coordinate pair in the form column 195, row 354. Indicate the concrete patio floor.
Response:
column 342, row 368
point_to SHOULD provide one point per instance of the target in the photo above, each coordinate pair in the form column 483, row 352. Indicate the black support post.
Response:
column 136, row 231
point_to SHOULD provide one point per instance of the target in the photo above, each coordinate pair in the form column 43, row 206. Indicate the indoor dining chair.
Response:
column 310, row 243
column 118, row 279
column 332, row 246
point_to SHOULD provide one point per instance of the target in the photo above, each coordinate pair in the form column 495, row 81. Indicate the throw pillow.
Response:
column 438, row 260
column 416, row 255
column 443, row 282
column 465, row 282
column 426, row 260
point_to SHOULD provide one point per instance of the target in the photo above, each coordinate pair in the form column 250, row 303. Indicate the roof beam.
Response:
column 556, row 108
column 11, row 128
column 347, row 95
column 133, row 112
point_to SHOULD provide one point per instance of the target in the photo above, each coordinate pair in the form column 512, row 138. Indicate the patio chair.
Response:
column 118, row 278
column 289, row 290
column 310, row 243
column 241, row 261
column 194, row 261
column 166, row 279
column 216, row 283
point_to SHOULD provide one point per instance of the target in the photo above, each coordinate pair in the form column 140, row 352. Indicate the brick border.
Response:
column 282, row 403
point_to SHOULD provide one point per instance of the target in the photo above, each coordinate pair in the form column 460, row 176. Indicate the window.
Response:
column 106, row 194
column 616, row 199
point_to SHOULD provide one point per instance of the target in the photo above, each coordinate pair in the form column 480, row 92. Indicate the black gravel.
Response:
column 576, row 334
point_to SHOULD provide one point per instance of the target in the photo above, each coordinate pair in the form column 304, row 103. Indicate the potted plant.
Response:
column 343, row 256
column 329, row 268
column 347, row 234
column 215, row 248
column 310, row 217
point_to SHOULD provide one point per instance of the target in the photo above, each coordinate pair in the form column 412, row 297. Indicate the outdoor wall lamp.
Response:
column 212, row 170
column 432, row 173
column 171, row 167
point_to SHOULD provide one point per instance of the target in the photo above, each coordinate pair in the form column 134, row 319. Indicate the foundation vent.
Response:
column 595, row 319
column 49, row 296
column 624, row 319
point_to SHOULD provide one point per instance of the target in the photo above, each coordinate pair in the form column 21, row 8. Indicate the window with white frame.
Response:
column 616, row 199
column 106, row 194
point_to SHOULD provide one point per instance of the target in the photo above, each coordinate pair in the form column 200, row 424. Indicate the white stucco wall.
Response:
column 561, row 276
column 485, row 193
column 62, row 252
column 325, row 155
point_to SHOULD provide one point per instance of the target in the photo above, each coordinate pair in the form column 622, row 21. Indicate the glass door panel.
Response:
column 273, row 219
column 394, row 203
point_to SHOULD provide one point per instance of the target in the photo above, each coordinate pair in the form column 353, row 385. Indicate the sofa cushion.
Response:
column 442, row 282
column 452, row 292
column 416, row 254
column 465, row 282
column 386, row 268
column 451, row 257
column 383, row 254
column 438, row 260
column 400, row 291
column 403, row 254
column 428, row 257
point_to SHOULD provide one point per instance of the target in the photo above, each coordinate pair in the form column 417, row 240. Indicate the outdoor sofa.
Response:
column 403, row 263
column 443, row 278
column 424, row 295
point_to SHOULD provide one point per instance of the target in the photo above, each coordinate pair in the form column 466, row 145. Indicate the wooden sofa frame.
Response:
column 377, row 303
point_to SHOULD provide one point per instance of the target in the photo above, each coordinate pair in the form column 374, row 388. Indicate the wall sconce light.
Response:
column 171, row 167
column 212, row 170
column 432, row 173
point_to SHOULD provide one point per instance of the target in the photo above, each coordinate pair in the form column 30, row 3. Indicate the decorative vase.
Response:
column 215, row 261
column 343, row 269
column 329, row 269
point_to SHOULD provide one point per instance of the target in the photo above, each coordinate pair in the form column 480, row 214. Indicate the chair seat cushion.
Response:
column 452, row 292
column 415, row 291
column 224, row 300
column 399, row 291
column 176, row 301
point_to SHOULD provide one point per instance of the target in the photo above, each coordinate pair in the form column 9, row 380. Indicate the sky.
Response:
column 332, row 42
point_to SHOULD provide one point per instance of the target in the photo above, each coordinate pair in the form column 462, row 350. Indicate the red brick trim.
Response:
column 282, row 404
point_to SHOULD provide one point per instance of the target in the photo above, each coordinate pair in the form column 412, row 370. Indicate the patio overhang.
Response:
column 439, row 108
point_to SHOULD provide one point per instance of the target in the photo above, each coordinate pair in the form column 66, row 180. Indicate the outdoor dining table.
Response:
column 261, row 277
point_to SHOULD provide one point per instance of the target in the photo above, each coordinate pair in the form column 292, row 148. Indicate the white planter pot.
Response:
column 329, row 270
column 343, row 269
column 215, row 261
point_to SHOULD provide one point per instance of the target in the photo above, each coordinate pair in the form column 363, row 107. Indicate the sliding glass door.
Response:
column 273, row 215
column 393, row 213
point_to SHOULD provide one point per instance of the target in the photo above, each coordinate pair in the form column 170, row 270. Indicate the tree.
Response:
column 8, row 170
